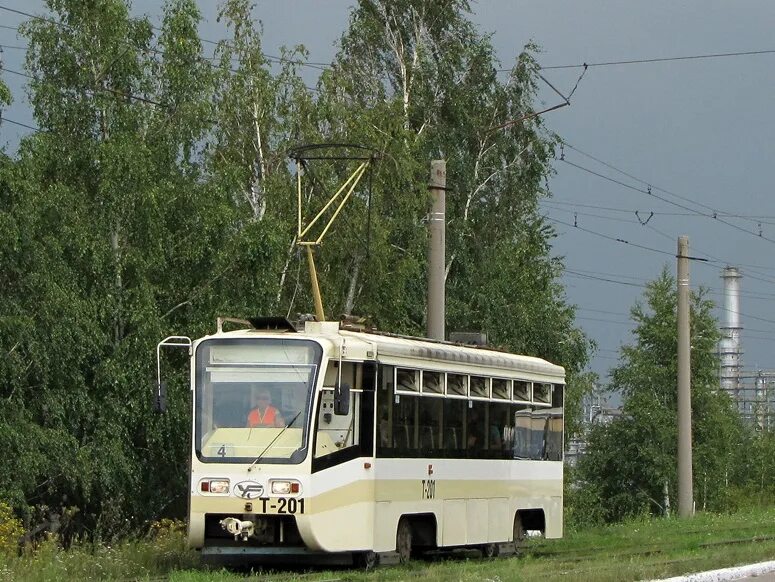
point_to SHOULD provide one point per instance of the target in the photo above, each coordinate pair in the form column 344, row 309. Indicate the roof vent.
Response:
column 471, row 338
column 271, row 323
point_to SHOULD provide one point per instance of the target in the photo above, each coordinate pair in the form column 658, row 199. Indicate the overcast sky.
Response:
column 698, row 131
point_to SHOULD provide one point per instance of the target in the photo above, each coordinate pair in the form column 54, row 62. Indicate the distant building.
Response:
column 595, row 410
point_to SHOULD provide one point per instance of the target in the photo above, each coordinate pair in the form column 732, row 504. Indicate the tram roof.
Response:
column 425, row 349
column 414, row 348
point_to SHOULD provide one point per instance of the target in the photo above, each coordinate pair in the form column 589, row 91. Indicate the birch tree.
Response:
column 630, row 464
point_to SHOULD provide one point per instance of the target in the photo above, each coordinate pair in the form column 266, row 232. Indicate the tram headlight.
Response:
column 216, row 486
column 285, row 487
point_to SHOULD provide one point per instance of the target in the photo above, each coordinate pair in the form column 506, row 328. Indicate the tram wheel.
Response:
column 404, row 540
column 490, row 550
column 520, row 535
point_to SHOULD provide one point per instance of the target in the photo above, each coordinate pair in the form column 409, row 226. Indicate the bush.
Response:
column 582, row 507
column 11, row 531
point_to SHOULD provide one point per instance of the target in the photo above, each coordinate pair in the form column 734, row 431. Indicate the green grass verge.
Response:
column 645, row 549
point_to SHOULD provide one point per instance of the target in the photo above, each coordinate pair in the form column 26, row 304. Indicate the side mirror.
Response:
column 342, row 399
column 160, row 397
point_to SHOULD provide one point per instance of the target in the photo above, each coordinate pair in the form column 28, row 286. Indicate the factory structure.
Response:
column 752, row 390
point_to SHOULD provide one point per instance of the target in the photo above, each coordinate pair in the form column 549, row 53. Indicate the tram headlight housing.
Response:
column 285, row 487
column 214, row 486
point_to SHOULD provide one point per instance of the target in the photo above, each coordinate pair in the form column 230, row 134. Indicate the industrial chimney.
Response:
column 729, row 346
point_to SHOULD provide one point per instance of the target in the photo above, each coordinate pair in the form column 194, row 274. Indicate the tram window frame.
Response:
column 483, row 389
column 440, row 377
column 407, row 388
column 521, row 396
column 507, row 386
column 464, row 387
column 542, row 393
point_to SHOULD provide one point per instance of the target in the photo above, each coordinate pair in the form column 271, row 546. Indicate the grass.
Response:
column 645, row 549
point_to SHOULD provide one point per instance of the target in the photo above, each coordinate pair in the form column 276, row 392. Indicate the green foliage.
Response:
column 11, row 530
column 582, row 509
column 419, row 72
column 128, row 559
column 5, row 95
column 159, row 196
column 631, row 462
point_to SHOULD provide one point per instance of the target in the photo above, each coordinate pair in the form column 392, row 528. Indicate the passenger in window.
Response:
column 496, row 443
column 263, row 414
column 475, row 434
column 475, row 440
column 384, row 429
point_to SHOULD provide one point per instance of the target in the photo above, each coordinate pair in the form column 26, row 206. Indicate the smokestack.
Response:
column 729, row 346
column 436, row 250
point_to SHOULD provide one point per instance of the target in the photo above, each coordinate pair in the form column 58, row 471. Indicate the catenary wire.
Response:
column 713, row 216
column 752, row 273
column 663, row 59
column 3, row 119
column 553, row 200
column 650, row 185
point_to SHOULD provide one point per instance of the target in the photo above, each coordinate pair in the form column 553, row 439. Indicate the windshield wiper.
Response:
column 259, row 457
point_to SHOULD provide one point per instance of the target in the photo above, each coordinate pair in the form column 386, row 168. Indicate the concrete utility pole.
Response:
column 436, row 250
column 685, row 485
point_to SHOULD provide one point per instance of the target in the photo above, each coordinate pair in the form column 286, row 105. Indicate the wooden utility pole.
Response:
column 685, row 485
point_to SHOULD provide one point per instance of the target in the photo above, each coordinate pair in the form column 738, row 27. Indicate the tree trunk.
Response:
column 350, row 301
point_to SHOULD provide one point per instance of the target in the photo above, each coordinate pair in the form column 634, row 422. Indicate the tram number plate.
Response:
column 428, row 488
column 286, row 505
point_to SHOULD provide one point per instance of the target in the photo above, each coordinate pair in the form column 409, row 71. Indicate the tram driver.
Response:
column 262, row 413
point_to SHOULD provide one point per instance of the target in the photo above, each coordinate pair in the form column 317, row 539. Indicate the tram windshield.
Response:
column 253, row 398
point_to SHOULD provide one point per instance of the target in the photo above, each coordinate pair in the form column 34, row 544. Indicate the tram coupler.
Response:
column 241, row 530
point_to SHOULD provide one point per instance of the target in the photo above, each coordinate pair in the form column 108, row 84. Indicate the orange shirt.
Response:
column 255, row 418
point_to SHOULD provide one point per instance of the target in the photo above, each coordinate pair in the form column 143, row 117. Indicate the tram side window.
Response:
column 431, row 414
column 337, row 432
column 557, row 396
column 539, row 424
column 554, row 438
column 385, row 409
column 523, row 432
column 457, row 384
column 554, row 445
column 501, row 389
column 538, row 433
column 453, row 434
column 542, row 392
column 521, row 390
column 501, row 431
column 408, row 380
column 477, row 432
column 405, row 425
column 433, row 382
column 480, row 387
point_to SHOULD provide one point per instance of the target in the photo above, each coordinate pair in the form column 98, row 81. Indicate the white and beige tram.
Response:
column 376, row 444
